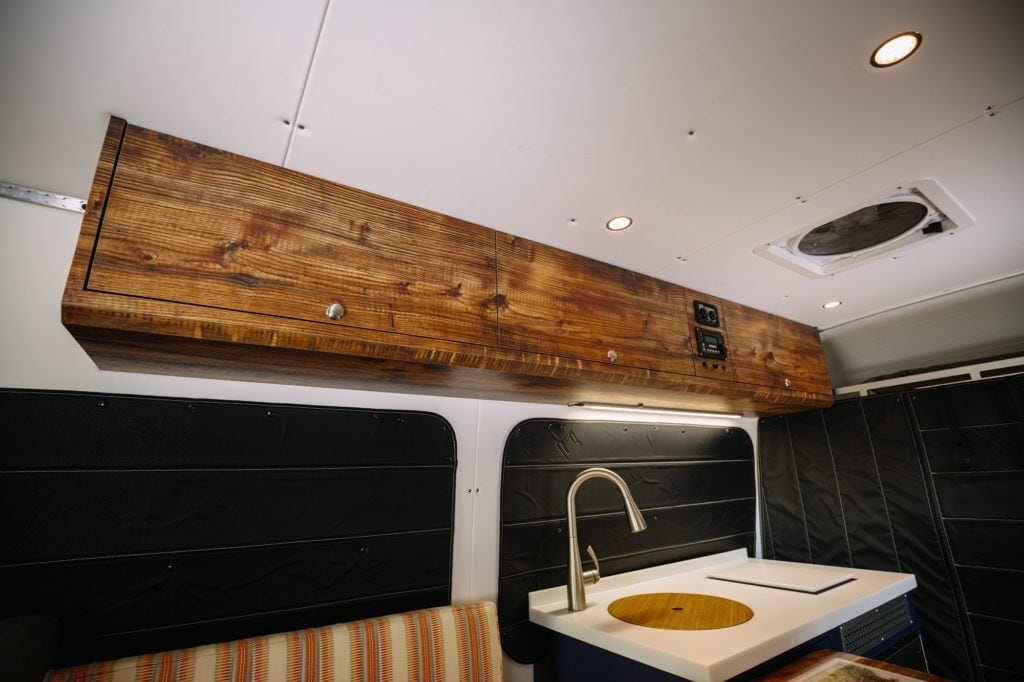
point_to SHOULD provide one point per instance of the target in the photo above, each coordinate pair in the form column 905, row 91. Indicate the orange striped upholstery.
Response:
column 446, row 644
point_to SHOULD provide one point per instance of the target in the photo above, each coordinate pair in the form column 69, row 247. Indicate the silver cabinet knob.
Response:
column 613, row 356
column 788, row 382
column 335, row 311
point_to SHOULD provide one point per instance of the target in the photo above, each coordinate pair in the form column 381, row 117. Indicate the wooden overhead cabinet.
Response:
column 196, row 261
column 195, row 225
column 558, row 303
column 768, row 350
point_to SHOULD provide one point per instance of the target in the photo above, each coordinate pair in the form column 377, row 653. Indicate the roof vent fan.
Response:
column 889, row 221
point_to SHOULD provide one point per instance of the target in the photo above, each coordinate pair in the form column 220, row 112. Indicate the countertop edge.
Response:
column 728, row 666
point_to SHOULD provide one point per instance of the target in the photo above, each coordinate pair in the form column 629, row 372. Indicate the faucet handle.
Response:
column 592, row 577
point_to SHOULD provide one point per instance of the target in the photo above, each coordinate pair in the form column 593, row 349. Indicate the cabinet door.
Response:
column 554, row 302
column 191, row 224
column 771, row 351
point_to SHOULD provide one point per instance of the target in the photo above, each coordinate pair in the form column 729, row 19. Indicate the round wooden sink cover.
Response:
column 680, row 611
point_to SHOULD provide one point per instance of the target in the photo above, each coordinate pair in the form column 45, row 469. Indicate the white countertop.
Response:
column 782, row 619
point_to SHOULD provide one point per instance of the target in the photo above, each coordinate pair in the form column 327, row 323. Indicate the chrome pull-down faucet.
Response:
column 577, row 578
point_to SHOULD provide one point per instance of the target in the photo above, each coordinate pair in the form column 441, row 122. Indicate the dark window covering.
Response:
column 917, row 534
column 930, row 482
column 784, row 514
column 695, row 485
column 822, row 503
column 145, row 524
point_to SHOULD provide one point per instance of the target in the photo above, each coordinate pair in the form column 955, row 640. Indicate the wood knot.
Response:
column 498, row 302
column 225, row 250
column 246, row 279
column 769, row 358
column 455, row 291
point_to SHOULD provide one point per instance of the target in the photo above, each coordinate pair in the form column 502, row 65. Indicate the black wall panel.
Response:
column 999, row 642
column 917, row 534
column 784, row 527
column 823, row 506
column 695, row 485
column 948, row 470
column 981, row 448
column 145, row 524
column 981, row 495
column 889, row 524
column 871, row 541
column 992, row 591
column 988, row 543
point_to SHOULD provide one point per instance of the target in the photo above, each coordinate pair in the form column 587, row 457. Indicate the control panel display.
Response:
column 706, row 313
column 711, row 344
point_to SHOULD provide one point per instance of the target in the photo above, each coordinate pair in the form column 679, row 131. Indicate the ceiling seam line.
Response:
column 305, row 83
column 850, row 176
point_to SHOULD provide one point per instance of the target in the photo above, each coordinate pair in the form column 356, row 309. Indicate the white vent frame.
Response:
column 926, row 191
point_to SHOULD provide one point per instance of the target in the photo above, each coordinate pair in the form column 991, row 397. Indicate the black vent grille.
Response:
column 865, row 632
column 862, row 229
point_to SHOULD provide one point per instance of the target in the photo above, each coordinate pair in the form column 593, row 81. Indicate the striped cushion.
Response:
column 456, row 643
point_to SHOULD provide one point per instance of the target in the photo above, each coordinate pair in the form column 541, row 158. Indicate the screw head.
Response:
column 335, row 311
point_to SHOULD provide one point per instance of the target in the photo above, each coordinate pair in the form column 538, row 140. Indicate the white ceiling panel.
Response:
column 980, row 164
column 522, row 115
column 222, row 73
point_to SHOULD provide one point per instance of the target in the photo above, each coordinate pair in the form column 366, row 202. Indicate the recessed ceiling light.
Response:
column 619, row 223
column 832, row 304
column 896, row 49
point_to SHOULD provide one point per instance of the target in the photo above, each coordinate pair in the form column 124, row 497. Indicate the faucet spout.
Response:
column 577, row 578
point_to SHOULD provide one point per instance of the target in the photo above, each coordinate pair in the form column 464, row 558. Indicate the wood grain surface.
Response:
column 556, row 302
column 802, row 665
column 771, row 351
column 680, row 611
column 209, row 264
column 192, row 224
